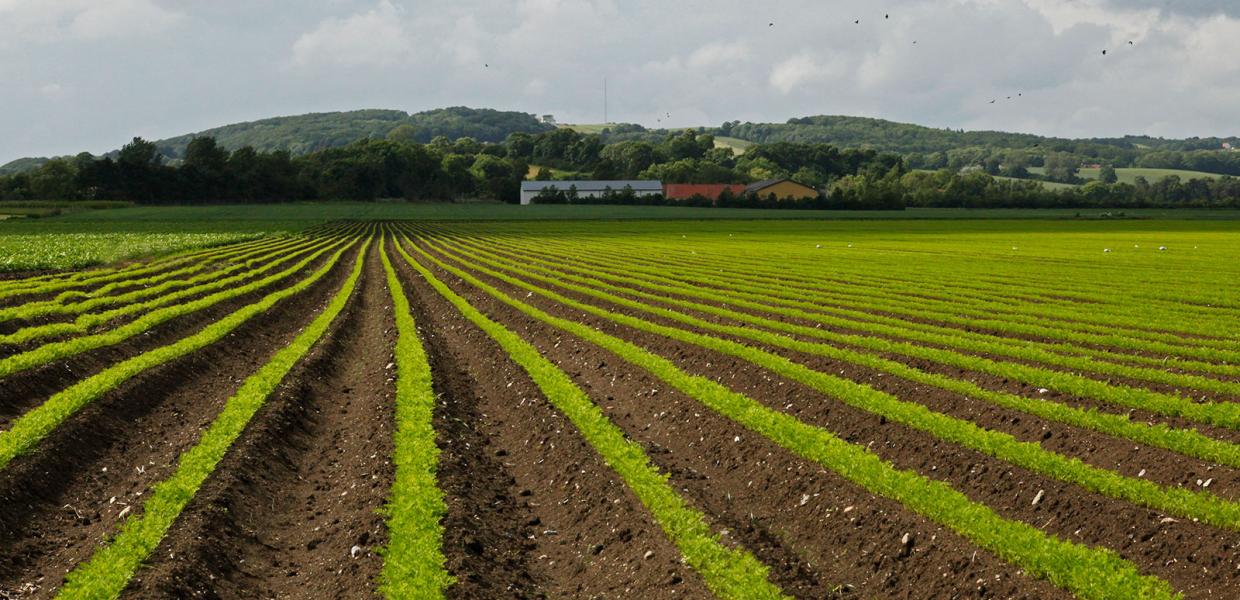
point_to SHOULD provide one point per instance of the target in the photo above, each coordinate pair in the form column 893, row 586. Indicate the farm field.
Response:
column 428, row 406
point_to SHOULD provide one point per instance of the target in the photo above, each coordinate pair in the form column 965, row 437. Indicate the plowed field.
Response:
column 631, row 410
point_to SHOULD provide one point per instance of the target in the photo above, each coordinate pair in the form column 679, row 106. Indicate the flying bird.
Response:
column 886, row 16
column 857, row 22
column 1130, row 43
column 770, row 24
column 485, row 65
column 1104, row 52
column 992, row 101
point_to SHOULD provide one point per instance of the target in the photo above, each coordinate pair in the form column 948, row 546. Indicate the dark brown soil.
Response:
column 70, row 494
column 1140, row 535
column 293, row 510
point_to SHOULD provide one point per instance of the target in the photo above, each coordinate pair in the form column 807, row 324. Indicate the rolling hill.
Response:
column 302, row 134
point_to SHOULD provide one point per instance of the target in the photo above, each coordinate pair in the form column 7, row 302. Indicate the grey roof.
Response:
column 638, row 185
column 765, row 183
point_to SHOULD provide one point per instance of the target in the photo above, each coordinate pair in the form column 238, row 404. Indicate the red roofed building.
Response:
column 685, row 191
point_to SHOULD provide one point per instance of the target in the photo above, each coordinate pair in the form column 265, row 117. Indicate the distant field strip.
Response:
column 1073, row 567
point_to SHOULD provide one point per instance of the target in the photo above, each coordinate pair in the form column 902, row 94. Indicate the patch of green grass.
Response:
column 109, row 570
column 1130, row 175
column 736, row 145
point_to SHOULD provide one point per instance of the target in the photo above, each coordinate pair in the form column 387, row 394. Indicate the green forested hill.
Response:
column 302, row 134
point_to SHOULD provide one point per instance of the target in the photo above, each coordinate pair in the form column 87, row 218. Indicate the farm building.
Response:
column 591, row 189
column 685, row 191
column 781, row 188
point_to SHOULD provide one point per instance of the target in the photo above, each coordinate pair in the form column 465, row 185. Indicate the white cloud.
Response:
column 47, row 21
column 795, row 71
column 374, row 38
column 717, row 54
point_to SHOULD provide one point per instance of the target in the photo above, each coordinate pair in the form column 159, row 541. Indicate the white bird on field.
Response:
column 1106, row 249
column 1161, row 248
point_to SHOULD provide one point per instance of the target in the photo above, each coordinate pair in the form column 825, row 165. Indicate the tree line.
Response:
column 399, row 166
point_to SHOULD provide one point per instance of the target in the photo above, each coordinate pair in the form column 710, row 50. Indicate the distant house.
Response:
column 781, row 188
column 711, row 191
column 591, row 189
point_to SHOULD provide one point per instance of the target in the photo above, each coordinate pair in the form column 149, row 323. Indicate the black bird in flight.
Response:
column 886, row 16
column 770, row 24
column 857, row 22
column 1130, row 42
column 1104, row 52
column 992, row 101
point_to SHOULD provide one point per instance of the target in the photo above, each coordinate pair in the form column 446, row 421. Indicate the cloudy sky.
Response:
column 88, row 75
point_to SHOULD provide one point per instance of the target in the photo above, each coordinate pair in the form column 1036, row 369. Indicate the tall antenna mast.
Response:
column 605, row 101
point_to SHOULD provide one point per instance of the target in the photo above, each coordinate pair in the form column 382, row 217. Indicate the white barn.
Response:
column 591, row 189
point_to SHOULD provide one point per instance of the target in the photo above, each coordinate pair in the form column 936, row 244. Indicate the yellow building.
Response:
column 781, row 188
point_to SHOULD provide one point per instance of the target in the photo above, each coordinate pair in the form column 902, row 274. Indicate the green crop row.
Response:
column 1224, row 414
column 729, row 572
column 111, row 567
column 83, row 323
column 1185, row 441
column 35, row 424
column 413, row 562
column 64, row 349
column 1029, row 455
column 1086, row 572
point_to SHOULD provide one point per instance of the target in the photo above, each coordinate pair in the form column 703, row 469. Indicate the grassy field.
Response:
column 1129, row 175
column 533, row 170
column 83, row 238
column 453, row 407
column 736, row 145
